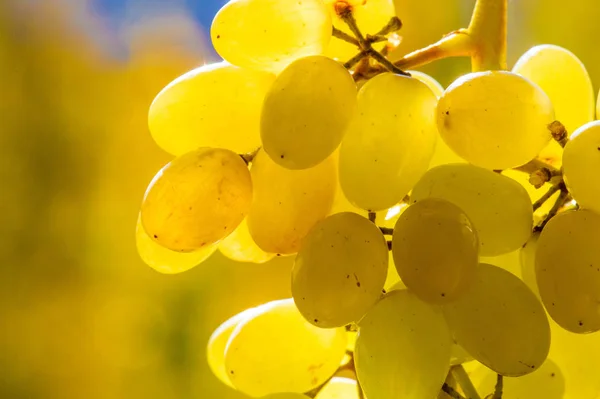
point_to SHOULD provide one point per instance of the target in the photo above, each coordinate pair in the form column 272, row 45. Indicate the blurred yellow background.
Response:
column 81, row 316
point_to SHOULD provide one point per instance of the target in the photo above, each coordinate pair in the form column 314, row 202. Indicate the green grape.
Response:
column 495, row 119
column 403, row 348
column 389, row 143
column 288, row 203
column 268, row 34
column 240, row 247
column 370, row 16
column 435, row 250
column 306, row 112
column 339, row 388
column 433, row 84
column 216, row 105
column 527, row 263
column 340, row 270
column 581, row 163
column 501, row 323
column 567, row 267
column 277, row 350
column 499, row 207
column 215, row 350
column 197, row 199
column 164, row 260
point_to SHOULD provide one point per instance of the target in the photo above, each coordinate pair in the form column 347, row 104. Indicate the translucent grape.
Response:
column 269, row 34
column 581, row 163
column 371, row 16
column 495, row 119
column 216, row 105
column 164, row 260
column 197, row 199
column 339, row 388
column 288, row 203
column 215, row 350
column 306, row 112
column 435, row 250
column 403, row 348
column 389, row 143
column 277, row 350
column 499, row 207
column 340, row 270
column 567, row 266
column 434, row 85
column 501, row 323
column 240, row 247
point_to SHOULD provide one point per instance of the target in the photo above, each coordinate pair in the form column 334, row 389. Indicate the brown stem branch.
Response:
column 560, row 201
column 355, row 60
column 451, row 392
column 542, row 200
column 499, row 386
column 559, row 133
column 344, row 36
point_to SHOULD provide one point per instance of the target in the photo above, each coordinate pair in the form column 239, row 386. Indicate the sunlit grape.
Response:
column 339, row 388
column 197, row 199
column 403, row 348
column 433, row 84
column 216, row 105
column 240, row 247
column 340, row 270
column 267, row 34
column 567, row 267
column 501, row 323
column 495, row 119
column 581, row 163
column 389, row 143
column 288, row 203
column 499, row 208
column 435, row 250
column 285, row 396
column 277, row 350
column 306, row 112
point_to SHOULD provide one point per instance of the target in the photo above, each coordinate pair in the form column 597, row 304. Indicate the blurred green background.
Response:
column 81, row 316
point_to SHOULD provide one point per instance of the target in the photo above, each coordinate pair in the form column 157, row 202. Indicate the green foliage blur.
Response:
column 81, row 316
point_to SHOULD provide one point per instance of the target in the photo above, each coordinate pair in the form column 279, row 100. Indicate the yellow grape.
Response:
column 435, row 250
column 215, row 350
column 288, row 203
column 567, row 267
column 164, row 260
column 197, row 199
column 389, row 143
column 216, row 105
column 458, row 355
column 306, row 112
column 240, row 247
column 370, row 15
column 495, row 119
column 499, row 207
column 277, row 350
column 598, row 106
column 527, row 263
column 403, row 348
column 268, row 34
column 340, row 270
column 581, row 163
column 339, row 388
column 433, row 84
column 501, row 323
column 288, row 395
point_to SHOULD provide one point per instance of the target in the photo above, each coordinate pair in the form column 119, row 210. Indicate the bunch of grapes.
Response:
column 399, row 201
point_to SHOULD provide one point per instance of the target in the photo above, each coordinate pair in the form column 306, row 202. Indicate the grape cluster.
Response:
column 402, row 202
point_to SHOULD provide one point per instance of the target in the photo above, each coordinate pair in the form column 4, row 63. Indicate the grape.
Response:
column 269, row 34
column 495, row 119
column 434, row 85
column 598, row 106
column 389, row 143
column 340, row 270
column 278, row 351
column 306, row 112
column 581, row 163
column 371, row 16
column 339, row 388
column 567, row 266
column 527, row 263
column 215, row 350
column 288, row 203
column 534, row 193
column 197, row 199
column 499, row 207
column 403, row 348
column 240, row 247
column 289, row 395
column 501, row 323
column 216, row 105
column 435, row 250
column 164, row 260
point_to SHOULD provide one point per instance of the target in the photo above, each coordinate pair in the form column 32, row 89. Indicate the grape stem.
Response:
column 559, row 133
column 461, row 376
column 499, row 387
column 560, row 202
column 537, row 204
column 451, row 392
column 249, row 157
column 372, row 216
column 344, row 36
column 388, row 231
